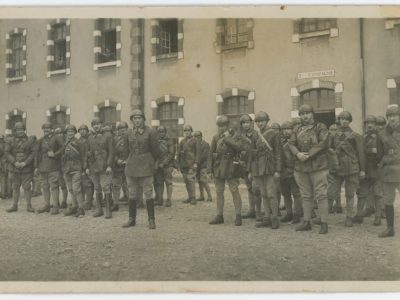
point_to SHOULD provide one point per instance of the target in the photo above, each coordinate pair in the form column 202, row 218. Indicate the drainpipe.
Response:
column 363, row 104
column 137, row 64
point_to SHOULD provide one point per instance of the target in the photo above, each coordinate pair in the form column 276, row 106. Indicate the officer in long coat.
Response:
column 100, row 162
column 20, row 153
column 87, row 184
column 309, row 144
column 222, row 164
column 349, row 148
column 389, row 154
column 144, row 151
column 47, row 165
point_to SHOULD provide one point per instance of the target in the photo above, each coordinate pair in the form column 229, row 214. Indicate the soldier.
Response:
column 188, row 157
column 369, row 187
column 380, row 123
column 309, row 143
column 288, row 184
column 201, row 174
column 389, row 154
column 8, row 167
column 276, row 127
column 100, row 161
column 60, row 133
column 20, row 153
column 223, row 159
column 349, row 148
column 47, row 166
column 144, row 151
column 333, row 195
column 3, row 169
column 254, row 194
column 121, row 152
column 265, row 168
column 73, row 159
column 87, row 184
column 296, row 121
column 165, row 167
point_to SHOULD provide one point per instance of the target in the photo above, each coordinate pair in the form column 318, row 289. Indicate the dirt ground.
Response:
column 184, row 247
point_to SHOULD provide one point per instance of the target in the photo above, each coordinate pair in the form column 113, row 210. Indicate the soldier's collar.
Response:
column 139, row 130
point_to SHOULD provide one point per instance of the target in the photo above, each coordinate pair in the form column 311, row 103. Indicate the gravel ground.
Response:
column 184, row 247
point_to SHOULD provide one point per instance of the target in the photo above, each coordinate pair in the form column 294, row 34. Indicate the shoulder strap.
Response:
column 264, row 140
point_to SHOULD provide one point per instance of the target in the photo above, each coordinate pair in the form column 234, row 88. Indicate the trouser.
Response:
column 202, row 179
column 118, row 181
column 102, row 182
column 143, row 186
column 50, row 186
column 63, row 187
column 350, row 186
column 87, row 189
column 289, row 187
column 189, row 177
column 74, row 183
column 254, row 195
column 333, row 195
column 389, row 192
column 24, row 180
column 313, row 185
column 233, row 185
column 9, row 184
column 163, row 175
column 3, row 183
column 267, row 186
column 370, row 192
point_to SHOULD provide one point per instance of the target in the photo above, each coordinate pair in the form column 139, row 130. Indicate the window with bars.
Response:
column 13, row 120
column 108, row 42
column 168, row 36
column 235, row 106
column 319, row 99
column 168, row 116
column 312, row 25
column 235, row 31
column 17, row 58
column 59, row 36
column 108, row 115
column 58, row 119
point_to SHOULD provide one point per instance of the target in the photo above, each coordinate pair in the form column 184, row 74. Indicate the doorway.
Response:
column 326, row 117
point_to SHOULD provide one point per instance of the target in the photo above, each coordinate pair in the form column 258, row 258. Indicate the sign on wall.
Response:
column 316, row 74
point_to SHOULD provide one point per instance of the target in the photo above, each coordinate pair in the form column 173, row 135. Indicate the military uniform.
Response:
column 20, row 153
column 334, row 195
column 100, row 158
column 310, row 140
column 73, row 158
column 349, row 148
column 201, row 173
column 48, row 165
column 266, row 163
column 165, row 167
column 87, row 184
column 59, row 133
column 188, row 158
column 3, row 169
column 223, row 163
column 144, row 151
column 389, row 154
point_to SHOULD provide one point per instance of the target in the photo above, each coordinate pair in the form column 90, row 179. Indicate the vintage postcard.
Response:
column 200, row 149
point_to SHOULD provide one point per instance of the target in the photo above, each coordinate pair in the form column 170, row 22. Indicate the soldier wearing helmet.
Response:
column 334, row 195
column 165, row 166
column 380, row 123
column 201, row 174
column 189, row 150
column 144, row 151
column 265, row 168
column 20, row 153
column 100, row 162
column 389, row 156
column 350, row 167
column 288, row 184
column 73, row 164
column 87, row 184
column 3, row 169
column 309, row 143
column 47, row 166
column 121, row 153
column 224, row 158
column 254, row 194
column 369, row 193
column 59, row 132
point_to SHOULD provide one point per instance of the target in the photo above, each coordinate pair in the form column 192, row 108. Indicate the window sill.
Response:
column 15, row 79
column 234, row 46
column 116, row 63
column 332, row 32
column 58, row 72
column 167, row 56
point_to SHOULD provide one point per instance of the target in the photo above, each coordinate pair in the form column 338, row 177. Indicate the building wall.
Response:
column 80, row 90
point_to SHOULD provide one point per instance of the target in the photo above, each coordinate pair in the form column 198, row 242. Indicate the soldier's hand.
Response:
column 108, row 170
column 50, row 153
column 362, row 175
column 120, row 162
column 87, row 171
column 22, row 164
column 195, row 166
column 249, row 177
column 302, row 156
column 17, row 164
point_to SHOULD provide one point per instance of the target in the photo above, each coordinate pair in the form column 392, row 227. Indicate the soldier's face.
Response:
column 393, row 120
column 222, row 128
column 46, row 131
column 83, row 132
column 287, row 132
column 19, row 132
column 70, row 134
column 246, row 125
column 97, row 127
column 122, row 131
column 198, row 137
column 380, row 127
column 261, row 124
column 370, row 126
column 307, row 117
column 344, row 122
column 187, row 133
column 137, row 121
column 161, row 133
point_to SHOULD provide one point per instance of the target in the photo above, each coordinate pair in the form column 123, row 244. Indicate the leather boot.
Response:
column 238, row 220
column 219, row 219
column 275, row 223
column 80, row 212
column 107, row 199
column 377, row 221
column 287, row 218
column 296, row 219
column 99, row 210
column 316, row 221
column 159, row 190
column 46, row 206
column 168, row 203
column 88, row 199
column 305, row 226
column 389, row 211
column 132, row 214
column 169, row 195
column 14, row 207
column 150, row 213
column 28, row 197
column 71, row 211
column 259, row 216
column 56, row 202
column 358, row 219
column 324, row 228
column 251, row 214
column 266, row 222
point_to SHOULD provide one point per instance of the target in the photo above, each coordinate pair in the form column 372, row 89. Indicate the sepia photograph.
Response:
column 199, row 149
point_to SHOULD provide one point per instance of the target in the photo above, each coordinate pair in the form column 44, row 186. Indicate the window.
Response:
column 168, row 116
column 319, row 99
column 235, row 106
column 58, row 47
column 234, row 33
column 167, row 39
column 108, row 115
column 16, row 55
column 58, row 119
column 313, row 27
column 107, row 42
column 12, row 118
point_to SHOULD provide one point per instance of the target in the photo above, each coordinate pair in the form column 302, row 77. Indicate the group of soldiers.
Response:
column 300, row 159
